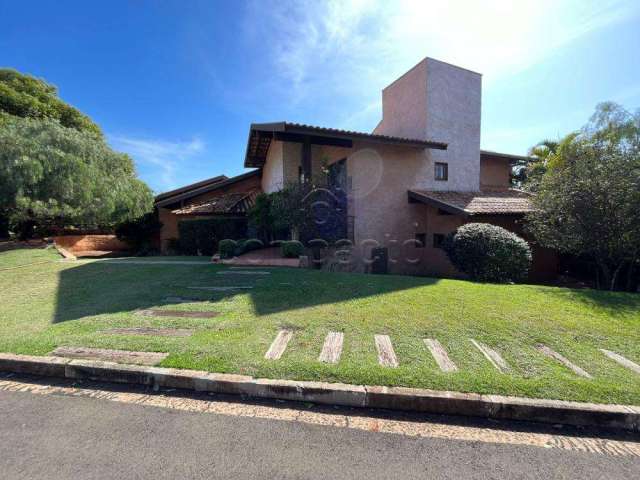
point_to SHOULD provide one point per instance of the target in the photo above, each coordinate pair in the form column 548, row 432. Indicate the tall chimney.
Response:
column 440, row 102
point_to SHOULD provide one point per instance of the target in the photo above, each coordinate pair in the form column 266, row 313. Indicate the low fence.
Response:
column 85, row 243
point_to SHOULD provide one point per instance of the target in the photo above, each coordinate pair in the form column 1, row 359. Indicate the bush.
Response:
column 202, row 236
column 141, row 233
column 291, row 249
column 488, row 253
column 226, row 248
column 247, row 245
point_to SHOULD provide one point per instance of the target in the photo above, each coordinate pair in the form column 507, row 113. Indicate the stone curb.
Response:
column 625, row 417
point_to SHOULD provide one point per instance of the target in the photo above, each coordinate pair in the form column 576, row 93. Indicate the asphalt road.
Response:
column 72, row 436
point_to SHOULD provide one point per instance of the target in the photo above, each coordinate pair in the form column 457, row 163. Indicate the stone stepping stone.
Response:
column 332, row 347
column 625, row 362
column 103, row 355
column 151, row 312
column 386, row 354
column 182, row 300
column 221, row 289
column 439, row 354
column 243, row 272
column 494, row 357
column 563, row 360
column 151, row 331
column 279, row 345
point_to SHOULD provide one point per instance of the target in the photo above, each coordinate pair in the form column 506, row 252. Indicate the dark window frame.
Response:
column 445, row 175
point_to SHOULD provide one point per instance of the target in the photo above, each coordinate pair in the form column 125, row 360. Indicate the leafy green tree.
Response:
column 29, row 97
column 51, row 175
column 588, row 201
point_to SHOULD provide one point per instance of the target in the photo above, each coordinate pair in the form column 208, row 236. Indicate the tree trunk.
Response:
column 630, row 273
column 606, row 273
column 614, row 277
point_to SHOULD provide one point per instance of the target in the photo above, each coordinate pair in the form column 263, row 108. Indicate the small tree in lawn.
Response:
column 588, row 202
column 288, row 210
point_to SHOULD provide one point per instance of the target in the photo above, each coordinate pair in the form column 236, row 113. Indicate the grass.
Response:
column 46, row 305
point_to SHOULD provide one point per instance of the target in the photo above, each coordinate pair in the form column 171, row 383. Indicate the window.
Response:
column 300, row 175
column 442, row 171
column 438, row 240
column 421, row 240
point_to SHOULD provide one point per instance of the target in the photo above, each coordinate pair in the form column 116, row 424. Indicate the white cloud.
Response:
column 165, row 158
column 350, row 50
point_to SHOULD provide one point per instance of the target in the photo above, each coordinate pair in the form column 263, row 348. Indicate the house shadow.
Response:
column 113, row 286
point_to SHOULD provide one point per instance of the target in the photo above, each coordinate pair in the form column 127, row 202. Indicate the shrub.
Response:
column 488, row 253
column 247, row 245
column 141, row 233
column 227, row 247
column 202, row 236
column 291, row 249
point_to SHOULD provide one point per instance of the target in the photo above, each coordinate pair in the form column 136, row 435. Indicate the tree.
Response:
column 51, row 175
column 528, row 172
column 588, row 201
column 29, row 97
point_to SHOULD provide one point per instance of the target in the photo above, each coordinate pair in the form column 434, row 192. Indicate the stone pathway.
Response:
column 118, row 356
column 279, row 345
column 152, row 312
column 564, row 361
column 182, row 300
column 151, row 331
column 243, row 272
column 222, row 289
column 440, row 355
column 386, row 354
column 625, row 362
column 494, row 357
column 332, row 348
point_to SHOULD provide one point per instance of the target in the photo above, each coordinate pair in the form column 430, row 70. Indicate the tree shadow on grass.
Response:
column 107, row 287
column 611, row 303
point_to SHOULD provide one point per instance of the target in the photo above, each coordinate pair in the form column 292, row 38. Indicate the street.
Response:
column 58, row 430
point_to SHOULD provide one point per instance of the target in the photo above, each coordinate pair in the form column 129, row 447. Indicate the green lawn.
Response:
column 43, row 306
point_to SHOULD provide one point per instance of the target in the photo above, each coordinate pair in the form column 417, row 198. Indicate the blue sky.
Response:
column 176, row 84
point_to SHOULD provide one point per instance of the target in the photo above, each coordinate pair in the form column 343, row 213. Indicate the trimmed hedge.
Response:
column 291, row 249
column 488, row 253
column 202, row 236
column 226, row 248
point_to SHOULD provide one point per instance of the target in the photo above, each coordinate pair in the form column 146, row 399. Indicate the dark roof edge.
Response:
column 303, row 129
column 191, row 186
column 506, row 156
column 208, row 188
column 419, row 197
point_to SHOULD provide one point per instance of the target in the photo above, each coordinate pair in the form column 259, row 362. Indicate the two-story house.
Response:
column 418, row 176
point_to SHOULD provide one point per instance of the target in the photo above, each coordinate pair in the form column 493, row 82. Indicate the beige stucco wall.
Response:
column 273, row 170
column 440, row 102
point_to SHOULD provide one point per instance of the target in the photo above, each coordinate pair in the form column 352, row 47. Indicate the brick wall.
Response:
column 83, row 243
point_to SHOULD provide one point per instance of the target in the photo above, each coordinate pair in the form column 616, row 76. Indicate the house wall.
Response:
column 273, row 169
column 495, row 172
column 440, row 102
column 381, row 175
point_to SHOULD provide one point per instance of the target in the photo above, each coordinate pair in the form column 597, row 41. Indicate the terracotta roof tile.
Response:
column 231, row 203
column 486, row 202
